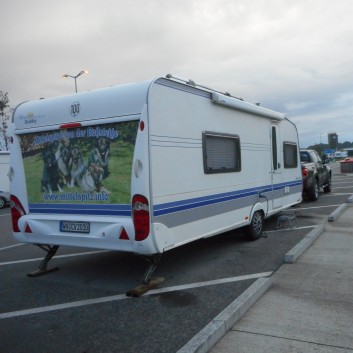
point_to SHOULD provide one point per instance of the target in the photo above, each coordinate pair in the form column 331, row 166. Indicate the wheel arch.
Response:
column 255, row 228
column 257, row 207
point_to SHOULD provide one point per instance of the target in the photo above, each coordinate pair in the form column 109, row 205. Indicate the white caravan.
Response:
column 147, row 167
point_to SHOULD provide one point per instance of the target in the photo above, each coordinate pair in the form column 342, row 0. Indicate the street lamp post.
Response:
column 75, row 77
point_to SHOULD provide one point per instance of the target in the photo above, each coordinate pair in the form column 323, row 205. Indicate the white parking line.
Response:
column 6, row 214
column 210, row 283
column 337, row 194
column 343, row 187
column 55, row 257
column 311, row 208
column 117, row 297
column 11, row 246
column 284, row 229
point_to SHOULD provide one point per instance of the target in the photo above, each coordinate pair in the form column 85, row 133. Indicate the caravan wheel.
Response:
column 254, row 229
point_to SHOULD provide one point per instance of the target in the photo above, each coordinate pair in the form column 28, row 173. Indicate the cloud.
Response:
column 294, row 57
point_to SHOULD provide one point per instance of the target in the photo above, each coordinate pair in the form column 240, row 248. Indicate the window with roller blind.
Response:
column 221, row 152
column 290, row 154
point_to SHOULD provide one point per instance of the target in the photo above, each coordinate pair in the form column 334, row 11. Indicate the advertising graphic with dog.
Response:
column 80, row 165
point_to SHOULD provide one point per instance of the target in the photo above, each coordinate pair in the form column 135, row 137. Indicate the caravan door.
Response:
column 276, row 167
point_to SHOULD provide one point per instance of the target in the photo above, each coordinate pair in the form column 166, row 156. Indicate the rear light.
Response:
column 141, row 217
column 305, row 172
column 17, row 211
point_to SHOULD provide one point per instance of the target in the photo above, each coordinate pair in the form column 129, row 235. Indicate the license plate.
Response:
column 74, row 227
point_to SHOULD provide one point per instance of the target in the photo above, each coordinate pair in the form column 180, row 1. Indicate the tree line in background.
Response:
column 321, row 147
column 5, row 116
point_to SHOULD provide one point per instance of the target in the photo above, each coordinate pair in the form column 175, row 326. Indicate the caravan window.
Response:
column 221, row 153
column 290, row 155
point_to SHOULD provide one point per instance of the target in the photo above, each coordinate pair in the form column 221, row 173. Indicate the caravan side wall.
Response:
column 189, row 203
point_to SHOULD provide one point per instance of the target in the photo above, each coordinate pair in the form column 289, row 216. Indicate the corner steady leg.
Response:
column 148, row 282
column 42, row 269
column 154, row 261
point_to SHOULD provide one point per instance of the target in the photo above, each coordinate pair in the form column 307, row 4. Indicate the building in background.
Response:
column 332, row 140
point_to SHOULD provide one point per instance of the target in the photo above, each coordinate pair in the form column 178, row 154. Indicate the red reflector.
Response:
column 123, row 235
column 142, row 125
column 28, row 229
column 70, row 125
column 141, row 217
column 17, row 211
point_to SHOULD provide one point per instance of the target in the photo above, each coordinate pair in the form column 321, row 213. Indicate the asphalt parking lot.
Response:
column 83, row 306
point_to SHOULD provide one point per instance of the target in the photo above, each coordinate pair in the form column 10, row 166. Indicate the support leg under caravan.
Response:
column 148, row 282
column 154, row 261
column 43, row 266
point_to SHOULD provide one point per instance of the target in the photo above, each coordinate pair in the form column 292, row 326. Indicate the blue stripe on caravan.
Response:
column 194, row 203
column 88, row 209
column 171, row 207
column 165, row 208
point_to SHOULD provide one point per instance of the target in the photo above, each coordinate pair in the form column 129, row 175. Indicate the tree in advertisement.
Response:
column 5, row 114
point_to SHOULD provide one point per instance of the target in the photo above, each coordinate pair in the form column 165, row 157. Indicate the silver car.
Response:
column 4, row 198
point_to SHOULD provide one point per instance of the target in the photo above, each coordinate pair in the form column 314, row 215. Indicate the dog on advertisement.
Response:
column 63, row 156
column 91, row 180
column 100, row 154
column 50, row 179
column 77, row 167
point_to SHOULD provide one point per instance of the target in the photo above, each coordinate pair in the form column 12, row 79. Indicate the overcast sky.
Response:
column 295, row 57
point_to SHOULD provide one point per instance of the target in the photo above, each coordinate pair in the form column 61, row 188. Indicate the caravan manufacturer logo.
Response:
column 75, row 109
